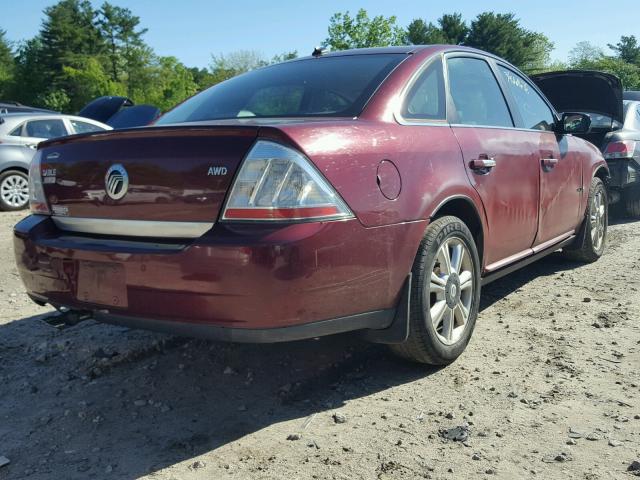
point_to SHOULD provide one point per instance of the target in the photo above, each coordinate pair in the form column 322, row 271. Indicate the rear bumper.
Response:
column 240, row 283
column 624, row 172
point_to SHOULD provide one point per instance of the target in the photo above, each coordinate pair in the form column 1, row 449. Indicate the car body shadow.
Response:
column 553, row 264
column 97, row 398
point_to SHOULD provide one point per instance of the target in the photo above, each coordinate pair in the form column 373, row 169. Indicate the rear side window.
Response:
column 17, row 132
column 476, row 95
column 426, row 99
column 46, row 129
column 534, row 111
column 316, row 87
column 84, row 127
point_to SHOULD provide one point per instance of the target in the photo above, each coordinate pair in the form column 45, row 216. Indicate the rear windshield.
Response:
column 317, row 87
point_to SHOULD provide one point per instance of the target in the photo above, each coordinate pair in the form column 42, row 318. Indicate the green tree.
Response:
column 451, row 29
column 586, row 56
column 6, row 66
column 502, row 35
column 454, row 29
column 420, row 32
column 122, row 38
column 163, row 82
column 30, row 79
column 68, row 31
column 86, row 79
column 584, row 52
column 627, row 49
column 361, row 31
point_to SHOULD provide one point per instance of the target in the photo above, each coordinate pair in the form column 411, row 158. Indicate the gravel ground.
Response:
column 548, row 388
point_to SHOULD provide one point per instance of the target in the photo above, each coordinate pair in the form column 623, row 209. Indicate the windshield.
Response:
column 315, row 87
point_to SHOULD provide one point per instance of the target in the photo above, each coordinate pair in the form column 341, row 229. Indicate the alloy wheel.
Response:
column 451, row 290
column 14, row 191
column 598, row 218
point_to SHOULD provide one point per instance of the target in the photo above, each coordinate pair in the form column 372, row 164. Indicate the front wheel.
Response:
column 591, row 239
column 14, row 190
column 445, row 294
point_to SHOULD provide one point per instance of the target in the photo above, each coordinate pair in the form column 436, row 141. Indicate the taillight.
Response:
column 277, row 183
column 622, row 149
column 37, row 199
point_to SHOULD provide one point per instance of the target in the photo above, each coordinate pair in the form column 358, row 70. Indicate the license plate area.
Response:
column 102, row 283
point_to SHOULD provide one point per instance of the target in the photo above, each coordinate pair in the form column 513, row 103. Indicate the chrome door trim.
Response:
column 132, row 228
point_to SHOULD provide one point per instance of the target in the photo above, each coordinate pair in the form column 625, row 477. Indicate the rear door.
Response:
column 560, row 168
column 499, row 159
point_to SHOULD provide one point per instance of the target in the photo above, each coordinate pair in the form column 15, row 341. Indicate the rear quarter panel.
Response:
column 15, row 157
column 428, row 159
column 592, row 162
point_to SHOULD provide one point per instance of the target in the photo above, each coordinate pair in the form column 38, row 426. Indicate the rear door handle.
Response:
column 483, row 163
column 549, row 163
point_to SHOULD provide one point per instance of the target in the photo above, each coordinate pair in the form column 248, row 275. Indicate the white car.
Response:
column 29, row 129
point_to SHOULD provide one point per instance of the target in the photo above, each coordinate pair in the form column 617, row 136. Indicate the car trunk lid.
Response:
column 583, row 91
column 173, row 174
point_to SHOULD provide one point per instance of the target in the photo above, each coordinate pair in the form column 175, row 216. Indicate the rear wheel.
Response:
column 632, row 202
column 589, row 244
column 445, row 294
column 14, row 190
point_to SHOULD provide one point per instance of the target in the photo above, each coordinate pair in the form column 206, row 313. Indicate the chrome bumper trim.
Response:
column 132, row 228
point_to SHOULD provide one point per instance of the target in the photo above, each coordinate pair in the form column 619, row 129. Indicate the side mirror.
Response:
column 575, row 123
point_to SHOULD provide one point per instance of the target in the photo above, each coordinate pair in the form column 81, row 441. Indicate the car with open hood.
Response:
column 371, row 190
column 615, row 124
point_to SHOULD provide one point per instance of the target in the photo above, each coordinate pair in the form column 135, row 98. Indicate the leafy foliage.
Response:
column 627, row 49
column 361, row 31
column 586, row 56
column 6, row 64
column 499, row 33
column 82, row 52
column 502, row 35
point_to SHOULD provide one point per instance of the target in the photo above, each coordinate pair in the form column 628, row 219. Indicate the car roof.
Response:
column 406, row 49
column 14, row 118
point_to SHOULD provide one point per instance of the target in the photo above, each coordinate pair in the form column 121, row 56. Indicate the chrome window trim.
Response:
column 132, row 228
column 519, row 129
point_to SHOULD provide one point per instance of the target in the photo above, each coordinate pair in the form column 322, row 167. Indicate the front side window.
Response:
column 84, row 127
column 338, row 86
column 46, row 129
column 426, row 99
column 475, row 93
column 533, row 110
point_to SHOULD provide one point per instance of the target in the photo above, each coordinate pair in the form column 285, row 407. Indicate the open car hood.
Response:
column 119, row 112
column 136, row 116
column 583, row 91
column 103, row 108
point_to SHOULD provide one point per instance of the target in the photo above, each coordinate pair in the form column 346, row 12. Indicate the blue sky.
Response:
column 192, row 30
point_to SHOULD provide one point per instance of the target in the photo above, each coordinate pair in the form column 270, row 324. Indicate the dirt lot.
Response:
column 549, row 388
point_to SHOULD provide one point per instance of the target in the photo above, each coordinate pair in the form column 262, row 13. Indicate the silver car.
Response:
column 29, row 129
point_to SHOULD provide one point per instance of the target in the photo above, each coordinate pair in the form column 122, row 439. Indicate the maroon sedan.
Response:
column 372, row 190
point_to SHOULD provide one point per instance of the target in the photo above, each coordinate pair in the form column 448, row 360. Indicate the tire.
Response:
column 14, row 190
column 430, row 343
column 632, row 202
column 591, row 239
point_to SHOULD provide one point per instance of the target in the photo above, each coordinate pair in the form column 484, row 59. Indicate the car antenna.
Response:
column 318, row 51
